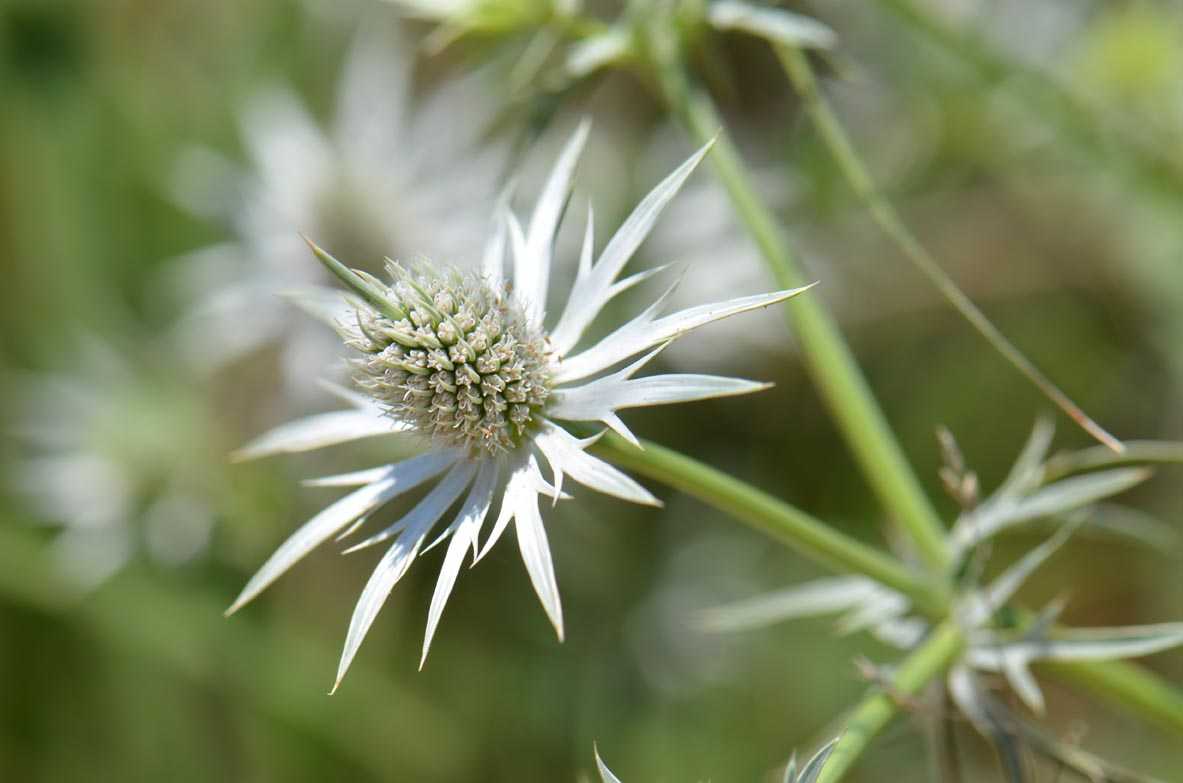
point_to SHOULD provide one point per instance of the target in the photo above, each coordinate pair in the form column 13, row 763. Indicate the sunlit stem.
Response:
column 1124, row 684
column 829, row 359
column 796, row 65
column 927, row 662
column 791, row 526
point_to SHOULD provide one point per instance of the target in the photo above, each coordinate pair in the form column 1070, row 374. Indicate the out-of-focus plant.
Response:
column 354, row 186
column 120, row 455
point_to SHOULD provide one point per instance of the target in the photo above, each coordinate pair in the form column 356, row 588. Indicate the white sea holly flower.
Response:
column 393, row 174
column 118, row 458
column 464, row 360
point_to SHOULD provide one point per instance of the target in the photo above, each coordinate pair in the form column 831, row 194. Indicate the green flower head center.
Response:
column 461, row 366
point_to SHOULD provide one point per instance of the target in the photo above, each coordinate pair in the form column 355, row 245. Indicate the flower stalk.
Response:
column 830, row 360
column 929, row 661
column 1124, row 684
column 769, row 515
column 830, row 129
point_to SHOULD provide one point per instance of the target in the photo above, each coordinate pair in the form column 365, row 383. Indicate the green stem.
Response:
column 830, row 361
column 1120, row 683
column 929, row 661
column 796, row 65
column 791, row 526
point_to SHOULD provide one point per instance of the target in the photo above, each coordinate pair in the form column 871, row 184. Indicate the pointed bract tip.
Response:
column 244, row 454
column 242, row 600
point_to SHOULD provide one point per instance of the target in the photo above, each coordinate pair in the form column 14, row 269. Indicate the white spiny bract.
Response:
column 465, row 362
column 1022, row 497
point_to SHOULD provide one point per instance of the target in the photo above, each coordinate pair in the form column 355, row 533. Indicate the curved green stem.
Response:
column 796, row 65
column 830, row 361
column 789, row 525
column 927, row 662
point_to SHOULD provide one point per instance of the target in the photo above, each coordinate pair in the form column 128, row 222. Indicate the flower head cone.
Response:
column 464, row 360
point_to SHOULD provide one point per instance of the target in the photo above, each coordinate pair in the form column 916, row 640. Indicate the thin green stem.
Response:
column 927, row 662
column 789, row 525
column 1125, row 146
column 829, row 359
column 796, row 65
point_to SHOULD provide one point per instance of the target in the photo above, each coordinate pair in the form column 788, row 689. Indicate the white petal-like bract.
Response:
column 395, row 480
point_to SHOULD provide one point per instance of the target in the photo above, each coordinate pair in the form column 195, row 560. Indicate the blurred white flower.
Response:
column 393, row 175
column 113, row 456
column 991, row 647
column 464, row 361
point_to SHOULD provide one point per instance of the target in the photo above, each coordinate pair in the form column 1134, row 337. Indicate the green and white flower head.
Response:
column 465, row 360
column 394, row 173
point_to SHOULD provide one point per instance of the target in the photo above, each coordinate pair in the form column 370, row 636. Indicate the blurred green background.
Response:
column 1037, row 148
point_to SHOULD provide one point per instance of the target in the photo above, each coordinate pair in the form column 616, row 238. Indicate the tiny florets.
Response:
column 461, row 366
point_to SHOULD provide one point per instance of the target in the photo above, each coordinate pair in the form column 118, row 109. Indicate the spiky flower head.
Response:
column 464, row 360
column 461, row 365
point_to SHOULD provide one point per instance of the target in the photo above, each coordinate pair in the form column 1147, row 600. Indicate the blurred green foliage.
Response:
column 1045, row 211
